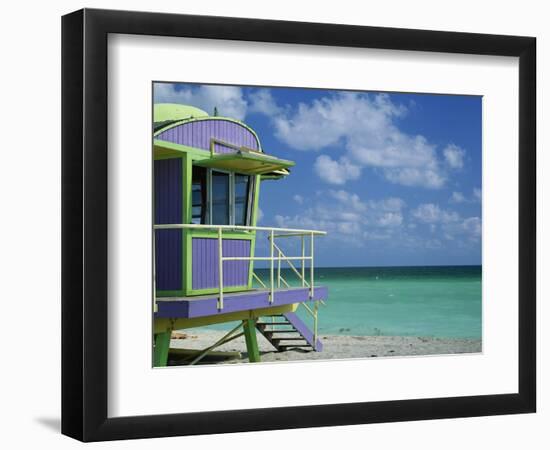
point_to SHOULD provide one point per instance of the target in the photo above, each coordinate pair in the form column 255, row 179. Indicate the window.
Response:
column 221, row 198
column 242, row 199
column 198, row 196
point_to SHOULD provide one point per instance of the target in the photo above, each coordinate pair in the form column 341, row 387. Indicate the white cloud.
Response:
column 228, row 100
column 366, row 125
column 336, row 172
column 470, row 228
column 391, row 204
column 298, row 199
column 390, row 219
column 416, row 177
column 477, row 194
column 451, row 224
column 432, row 214
column 457, row 197
column 454, row 156
column 348, row 218
column 260, row 215
column 349, row 200
column 354, row 221
column 261, row 101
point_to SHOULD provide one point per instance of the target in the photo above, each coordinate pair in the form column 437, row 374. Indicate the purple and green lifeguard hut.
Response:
column 207, row 176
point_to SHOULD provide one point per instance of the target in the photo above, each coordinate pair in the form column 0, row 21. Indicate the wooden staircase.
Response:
column 288, row 331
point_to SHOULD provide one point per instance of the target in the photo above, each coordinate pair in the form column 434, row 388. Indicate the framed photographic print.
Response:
column 274, row 224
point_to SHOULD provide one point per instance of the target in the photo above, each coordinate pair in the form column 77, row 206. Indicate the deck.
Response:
column 207, row 305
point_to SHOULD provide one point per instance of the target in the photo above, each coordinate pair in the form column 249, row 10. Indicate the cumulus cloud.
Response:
column 356, row 221
column 261, row 101
column 472, row 226
column 349, row 200
column 469, row 228
column 391, row 204
column 367, row 127
column 477, row 194
column 390, row 219
column 457, row 197
column 428, row 178
column 298, row 199
column 336, row 172
column 432, row 214
column 348, row 218
column 449, row 222
column 228, row 100
column 260, row 215
column 454, row 156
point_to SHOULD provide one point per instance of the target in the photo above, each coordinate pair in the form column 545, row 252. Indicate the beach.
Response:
column 335, row 347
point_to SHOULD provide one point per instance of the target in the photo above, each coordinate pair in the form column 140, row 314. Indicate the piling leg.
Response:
column 251, row 341
column 162, row 345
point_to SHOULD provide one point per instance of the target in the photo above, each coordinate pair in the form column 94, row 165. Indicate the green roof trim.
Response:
column 170, row 112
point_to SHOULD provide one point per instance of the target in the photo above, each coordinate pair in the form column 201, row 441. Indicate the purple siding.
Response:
column 233, row 302
column 168, row 209
column 198, row 134
column 205, row 263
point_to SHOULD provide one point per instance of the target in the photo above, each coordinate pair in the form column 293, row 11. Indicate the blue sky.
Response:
column 394, row 178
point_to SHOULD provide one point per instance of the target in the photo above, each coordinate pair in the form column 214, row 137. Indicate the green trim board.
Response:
column 189, row 234
column 246, row 162
column 254, row 221
column 165, row 149
column 226, row 290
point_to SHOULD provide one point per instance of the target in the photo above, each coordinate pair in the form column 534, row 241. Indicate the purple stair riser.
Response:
column 302, row 328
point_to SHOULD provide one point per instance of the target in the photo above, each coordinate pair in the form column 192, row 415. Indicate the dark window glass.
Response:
column 198, row 196
column 242, row 191
column 220, row 198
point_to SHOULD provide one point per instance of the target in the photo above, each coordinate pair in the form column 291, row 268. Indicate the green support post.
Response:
column 249, row 326
column 162, row 345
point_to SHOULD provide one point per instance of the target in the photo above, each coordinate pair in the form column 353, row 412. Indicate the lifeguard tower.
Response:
column 207, row 176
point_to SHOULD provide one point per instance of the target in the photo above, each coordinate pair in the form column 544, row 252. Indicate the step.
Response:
column 277, row 330
column 289, row 339
column 265, row 324
column 291, row 330
column 283, row 346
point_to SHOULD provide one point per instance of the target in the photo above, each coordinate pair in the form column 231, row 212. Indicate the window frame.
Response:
column 231, row 198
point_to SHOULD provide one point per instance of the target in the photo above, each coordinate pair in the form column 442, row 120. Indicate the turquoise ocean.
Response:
column 434, row 301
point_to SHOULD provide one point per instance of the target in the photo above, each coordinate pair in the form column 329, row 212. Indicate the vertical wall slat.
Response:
column 168, row 209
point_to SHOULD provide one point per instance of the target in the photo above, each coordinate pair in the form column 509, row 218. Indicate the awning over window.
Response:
column 252, row 163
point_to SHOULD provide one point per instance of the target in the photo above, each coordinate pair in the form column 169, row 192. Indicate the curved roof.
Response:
column 164, row 112
column 170, row 115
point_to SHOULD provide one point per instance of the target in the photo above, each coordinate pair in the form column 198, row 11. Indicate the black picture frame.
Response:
column 84, row 224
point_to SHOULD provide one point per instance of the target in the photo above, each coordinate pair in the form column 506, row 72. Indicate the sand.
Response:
column 335, row 347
